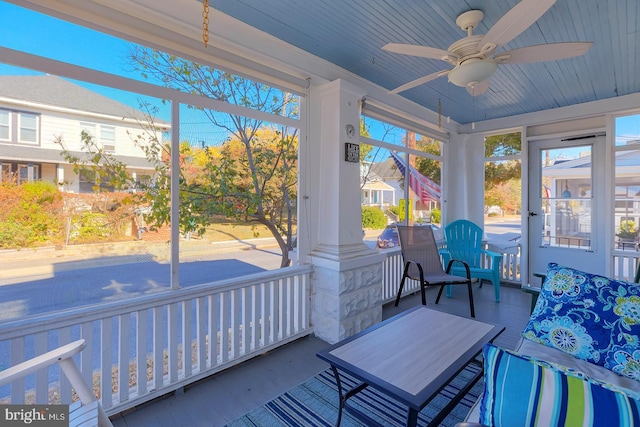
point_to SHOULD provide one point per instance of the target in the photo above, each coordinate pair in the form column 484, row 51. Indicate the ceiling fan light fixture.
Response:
column 472, row 71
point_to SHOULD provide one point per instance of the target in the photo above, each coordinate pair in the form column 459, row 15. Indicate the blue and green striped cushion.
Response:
column 522, row 391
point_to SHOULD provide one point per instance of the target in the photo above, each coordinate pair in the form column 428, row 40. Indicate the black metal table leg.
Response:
column 412, row 418
column 341, row 398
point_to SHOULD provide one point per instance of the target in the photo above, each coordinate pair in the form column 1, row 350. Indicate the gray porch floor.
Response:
column 228, row 395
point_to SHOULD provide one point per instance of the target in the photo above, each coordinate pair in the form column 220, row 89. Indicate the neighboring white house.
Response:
column 388, row 173
column 376, row 192
column 569, row 191
column 37, row 110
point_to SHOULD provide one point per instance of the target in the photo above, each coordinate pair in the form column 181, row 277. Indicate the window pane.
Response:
column 430, row 178
column 402, row 186
column 28, row 173
column 125, row 196
column 6, row 172
column 382, row 131
column 88, row 128
column 28, row 127
column 108, row 138
column 224, row 196
column 4, row 125
column 566, row 197
column 627, row 199
column 508, row 144
column 627, row 130
column 503, row 192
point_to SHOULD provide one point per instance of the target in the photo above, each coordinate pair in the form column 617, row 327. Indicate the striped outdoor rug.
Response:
column 315, row 403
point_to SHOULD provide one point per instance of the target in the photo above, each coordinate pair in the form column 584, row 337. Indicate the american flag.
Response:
column 423, row 187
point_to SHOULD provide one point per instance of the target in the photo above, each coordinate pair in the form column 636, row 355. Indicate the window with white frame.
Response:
column 108, row 138
column 28, row 128
column 28, row 173
column 5, row 125
column 502, row 174
column 103, row 136
column 393, row 147
column 205, row 137
column 6, row 172
column 627, row 183
column 88, row 128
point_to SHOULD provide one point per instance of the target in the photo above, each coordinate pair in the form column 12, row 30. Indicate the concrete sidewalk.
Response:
column 46, row 261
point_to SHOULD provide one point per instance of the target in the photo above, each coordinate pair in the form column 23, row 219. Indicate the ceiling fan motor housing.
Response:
column 466, row 48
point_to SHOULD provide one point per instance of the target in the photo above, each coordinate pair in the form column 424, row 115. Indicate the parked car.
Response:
column 389, row 236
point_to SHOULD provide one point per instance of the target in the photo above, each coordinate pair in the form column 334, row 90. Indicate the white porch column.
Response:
column 347, row 281
column 464, row 177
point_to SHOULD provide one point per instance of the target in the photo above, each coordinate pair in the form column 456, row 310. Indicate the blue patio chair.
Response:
column 464, row 242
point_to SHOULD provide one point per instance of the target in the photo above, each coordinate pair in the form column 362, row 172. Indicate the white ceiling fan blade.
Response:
column 479, row 88
column 416, row 50
column 421, row 80
column 514, row 22
column 543, row 52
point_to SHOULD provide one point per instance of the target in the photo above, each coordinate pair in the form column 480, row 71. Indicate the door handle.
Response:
column 533, row 214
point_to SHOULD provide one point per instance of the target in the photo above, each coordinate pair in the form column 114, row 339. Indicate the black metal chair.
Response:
column 422, row 262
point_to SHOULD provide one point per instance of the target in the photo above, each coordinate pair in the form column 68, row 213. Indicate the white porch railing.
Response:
column 140, row 343
column 155, row 344
column 625, row 264
column 393, row 266
column 625, row 267
column 391, row 275
column 511, row 258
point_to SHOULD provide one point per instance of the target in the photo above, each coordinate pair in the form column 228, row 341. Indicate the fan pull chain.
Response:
column 473, row 108
column 439, row 113
column 205, row 22
column 449, row 97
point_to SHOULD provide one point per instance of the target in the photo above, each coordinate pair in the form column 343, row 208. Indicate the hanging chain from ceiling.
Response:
column 205, row 22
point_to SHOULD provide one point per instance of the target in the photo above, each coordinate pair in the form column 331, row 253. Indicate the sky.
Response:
column 29, row 31
column 38, row 34
column 32, row 32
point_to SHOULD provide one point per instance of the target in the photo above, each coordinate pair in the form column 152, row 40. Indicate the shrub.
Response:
column 89, row 227
column 435, row 215
column 31, row 214
column 627, row 229
column 99, row 217
column 373, row 217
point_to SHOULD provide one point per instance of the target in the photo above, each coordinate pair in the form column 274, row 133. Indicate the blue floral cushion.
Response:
column 591, row 317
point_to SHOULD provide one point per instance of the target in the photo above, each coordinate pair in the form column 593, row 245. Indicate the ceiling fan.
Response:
column 473, row 57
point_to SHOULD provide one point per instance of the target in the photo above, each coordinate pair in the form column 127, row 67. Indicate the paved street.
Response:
column 503, row 229
column 36, row 282
column 96, row 281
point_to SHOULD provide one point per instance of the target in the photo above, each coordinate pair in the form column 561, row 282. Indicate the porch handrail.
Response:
column 167, row 340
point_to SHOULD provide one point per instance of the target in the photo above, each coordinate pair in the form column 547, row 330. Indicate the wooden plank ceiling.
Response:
column 352, row 33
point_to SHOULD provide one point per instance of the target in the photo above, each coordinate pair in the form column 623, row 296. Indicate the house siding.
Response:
column 57, row 121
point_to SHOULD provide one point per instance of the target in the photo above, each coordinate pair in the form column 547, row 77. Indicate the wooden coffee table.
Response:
column 410, row 357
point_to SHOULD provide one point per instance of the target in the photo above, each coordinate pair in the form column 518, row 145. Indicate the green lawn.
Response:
column 223, row 230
